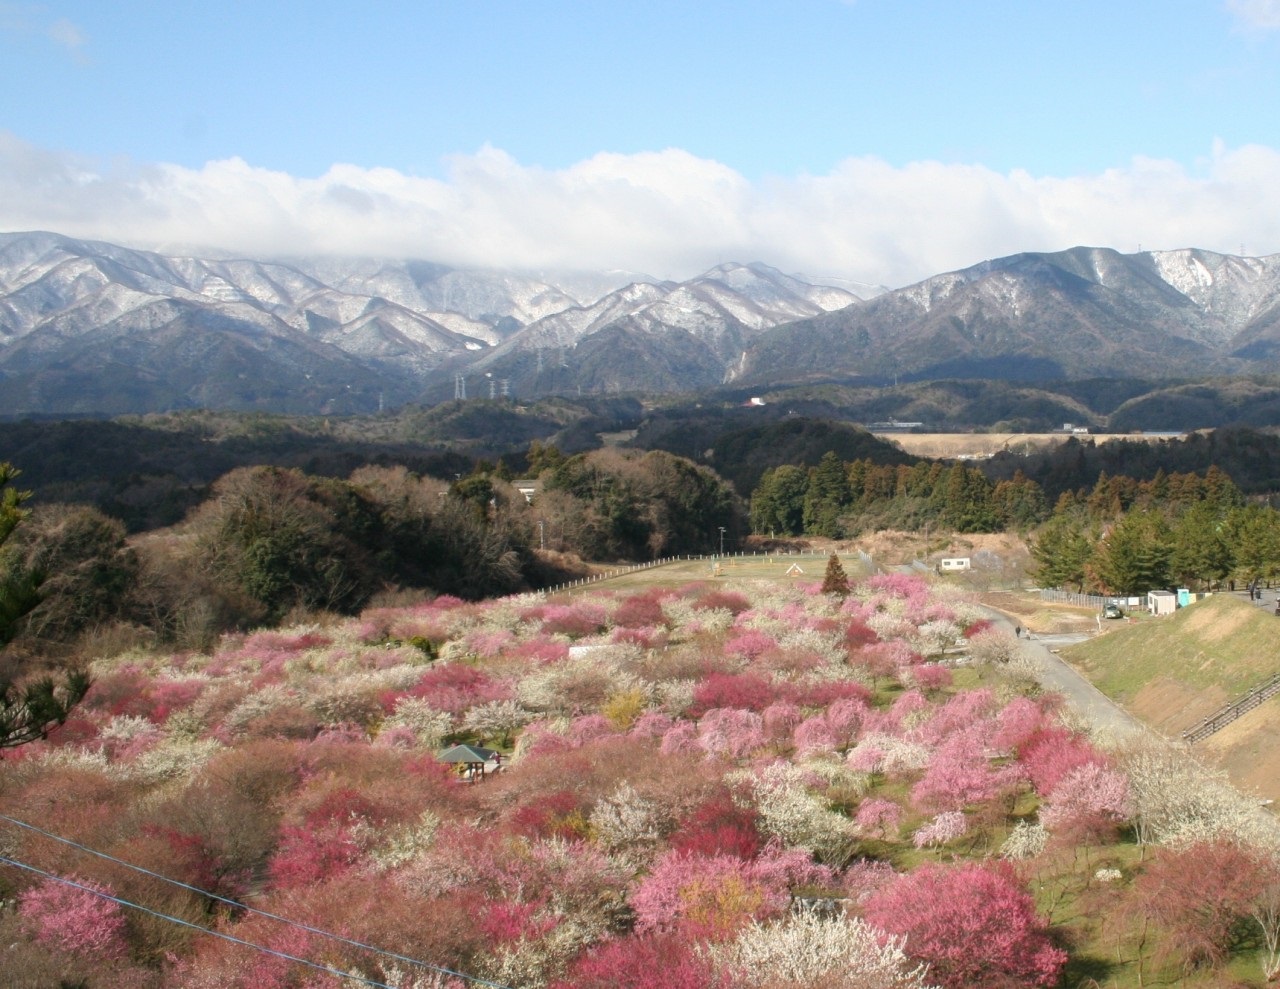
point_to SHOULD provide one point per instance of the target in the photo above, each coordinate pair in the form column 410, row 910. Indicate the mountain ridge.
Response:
column 93, row 327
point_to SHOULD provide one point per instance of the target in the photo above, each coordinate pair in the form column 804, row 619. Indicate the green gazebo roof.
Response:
column 467, row 753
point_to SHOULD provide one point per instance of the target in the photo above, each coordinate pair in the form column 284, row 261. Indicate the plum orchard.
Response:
column 705, row 786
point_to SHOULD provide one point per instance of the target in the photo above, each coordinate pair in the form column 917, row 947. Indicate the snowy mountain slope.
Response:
column 85, row 322
column 1077, row 313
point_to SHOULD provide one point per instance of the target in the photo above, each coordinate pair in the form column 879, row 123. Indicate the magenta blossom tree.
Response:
column 972, row 923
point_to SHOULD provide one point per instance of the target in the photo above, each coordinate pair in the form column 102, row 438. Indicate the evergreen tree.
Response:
column 835, row 580
column 827, row 497
column 1134, row 557
column 1253, row 536
column 777, row 504
column 19, row 590
column 1061, row 551
column 1200, row 553
column 1019, row 502
column 967, row 505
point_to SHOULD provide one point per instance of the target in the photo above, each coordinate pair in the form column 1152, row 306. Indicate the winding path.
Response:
column 1102, row 713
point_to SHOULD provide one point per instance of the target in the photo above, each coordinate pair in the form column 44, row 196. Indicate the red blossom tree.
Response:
column 646, row 962
column 1197, row 894
column 741, row 690
column 1051, row 754
column 972, row 923
column 719, row 827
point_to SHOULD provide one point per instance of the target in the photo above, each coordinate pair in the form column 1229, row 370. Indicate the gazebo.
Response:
column 470, row 760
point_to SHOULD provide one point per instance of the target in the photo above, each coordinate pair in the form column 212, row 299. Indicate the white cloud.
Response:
column 667, row 213
column 24, row 20
column 1260, row 15
column 63, row 32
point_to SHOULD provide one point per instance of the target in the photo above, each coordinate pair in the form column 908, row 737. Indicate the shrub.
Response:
column 730, row 601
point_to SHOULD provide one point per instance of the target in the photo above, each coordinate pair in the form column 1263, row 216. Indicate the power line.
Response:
column 239, row 906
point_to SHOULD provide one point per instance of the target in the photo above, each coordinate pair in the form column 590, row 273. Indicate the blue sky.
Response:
column 878, row 140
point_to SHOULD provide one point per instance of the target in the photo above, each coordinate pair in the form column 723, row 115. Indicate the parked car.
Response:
column 1112, row 611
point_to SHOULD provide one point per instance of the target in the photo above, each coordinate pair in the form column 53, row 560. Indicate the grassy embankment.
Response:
column 1174, row 671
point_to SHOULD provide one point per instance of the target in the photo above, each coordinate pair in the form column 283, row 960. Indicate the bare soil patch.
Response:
column 1040, row 617
column 1173, row 707
column 1248, row 750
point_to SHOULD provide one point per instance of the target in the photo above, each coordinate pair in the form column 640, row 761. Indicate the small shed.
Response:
column 1162, row 602
column 954, row 564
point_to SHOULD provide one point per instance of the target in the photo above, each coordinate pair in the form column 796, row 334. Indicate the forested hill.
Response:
column 1250, row 458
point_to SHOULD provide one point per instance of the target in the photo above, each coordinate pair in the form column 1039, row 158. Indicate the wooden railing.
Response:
column 1229, row 712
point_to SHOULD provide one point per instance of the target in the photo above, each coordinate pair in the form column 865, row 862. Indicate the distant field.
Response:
column 977, row 445
column 807, row 567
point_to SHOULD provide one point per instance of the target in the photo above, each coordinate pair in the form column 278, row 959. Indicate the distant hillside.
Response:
column 149, row 471
column 741, row 444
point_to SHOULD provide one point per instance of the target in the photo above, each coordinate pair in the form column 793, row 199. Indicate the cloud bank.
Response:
column 666, row 213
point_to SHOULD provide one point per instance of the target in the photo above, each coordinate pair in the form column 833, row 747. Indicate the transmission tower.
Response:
column 460, row 386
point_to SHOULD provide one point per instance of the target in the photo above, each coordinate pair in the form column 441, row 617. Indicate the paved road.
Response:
column 1055, row 675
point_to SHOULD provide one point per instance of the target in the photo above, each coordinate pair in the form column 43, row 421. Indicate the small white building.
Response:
column 1162, row 602
column 527, row 487
column 954, row 564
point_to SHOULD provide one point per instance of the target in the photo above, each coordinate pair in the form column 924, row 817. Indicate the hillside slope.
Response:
column 1173, row 672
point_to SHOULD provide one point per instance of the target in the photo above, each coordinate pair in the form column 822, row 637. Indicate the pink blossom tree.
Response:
column 879, row 817
column 730, row 733
column 1090, row 802
column 960, row 774
column 663, row 961
column 972, row 923
column 74, row 919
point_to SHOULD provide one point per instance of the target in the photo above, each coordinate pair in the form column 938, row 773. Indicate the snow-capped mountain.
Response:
column 1084, row 312
column 80, row 319
column 97, row 328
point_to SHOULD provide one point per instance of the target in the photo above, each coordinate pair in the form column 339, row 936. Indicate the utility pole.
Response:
column 722, row 540
column 542, row 534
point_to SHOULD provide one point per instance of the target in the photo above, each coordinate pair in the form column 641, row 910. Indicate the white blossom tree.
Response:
column 807, row 951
